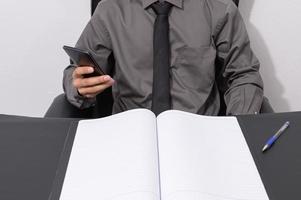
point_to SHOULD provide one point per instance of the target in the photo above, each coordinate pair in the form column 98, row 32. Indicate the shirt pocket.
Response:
column 194, row 67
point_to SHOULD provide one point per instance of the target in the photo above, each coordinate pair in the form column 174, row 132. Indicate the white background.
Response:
column 32, row 34
column 275, row 30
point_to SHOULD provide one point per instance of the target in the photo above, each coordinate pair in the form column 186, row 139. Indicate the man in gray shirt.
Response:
column 201, row 33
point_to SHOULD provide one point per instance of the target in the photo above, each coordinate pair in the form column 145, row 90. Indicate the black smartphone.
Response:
column 83, row 58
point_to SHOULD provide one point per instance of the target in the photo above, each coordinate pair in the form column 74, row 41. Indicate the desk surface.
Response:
column 30, row 152
column 34, row 154
column 280, row 166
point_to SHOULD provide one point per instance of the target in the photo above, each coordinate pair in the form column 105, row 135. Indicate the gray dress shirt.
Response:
column 210, row 53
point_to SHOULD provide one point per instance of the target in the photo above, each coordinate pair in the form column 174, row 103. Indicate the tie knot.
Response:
column 161, row 8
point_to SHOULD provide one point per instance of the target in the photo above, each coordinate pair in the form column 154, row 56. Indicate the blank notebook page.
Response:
column 114, row 158
column 205, row 158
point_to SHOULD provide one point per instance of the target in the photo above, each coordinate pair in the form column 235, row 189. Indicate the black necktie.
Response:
column 161, row 85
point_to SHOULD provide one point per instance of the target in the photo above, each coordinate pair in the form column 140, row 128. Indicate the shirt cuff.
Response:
column 245, row 99
column 81, row 101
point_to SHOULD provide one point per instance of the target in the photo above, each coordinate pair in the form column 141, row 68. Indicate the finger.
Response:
column 82, row 70
column 94, row 90
column 87, row 82
column 92, row 81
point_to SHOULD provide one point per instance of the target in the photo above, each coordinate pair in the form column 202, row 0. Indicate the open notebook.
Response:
column 176, row 156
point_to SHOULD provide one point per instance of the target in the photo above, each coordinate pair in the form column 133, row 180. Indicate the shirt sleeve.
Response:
column 96, row 39
column 242, row 83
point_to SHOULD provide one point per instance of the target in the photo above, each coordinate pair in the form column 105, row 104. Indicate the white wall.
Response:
column 32, row 34
column 275, row 30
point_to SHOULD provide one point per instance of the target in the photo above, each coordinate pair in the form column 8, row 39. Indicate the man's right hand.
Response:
column 92, row 86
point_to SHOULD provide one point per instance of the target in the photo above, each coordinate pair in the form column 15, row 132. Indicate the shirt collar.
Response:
column 178, row 3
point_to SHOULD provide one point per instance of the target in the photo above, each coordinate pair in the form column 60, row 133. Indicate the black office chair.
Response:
column 62, row 108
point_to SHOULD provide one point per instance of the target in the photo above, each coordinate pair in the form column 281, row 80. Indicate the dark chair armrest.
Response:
column 61, row 108
column 266, row 106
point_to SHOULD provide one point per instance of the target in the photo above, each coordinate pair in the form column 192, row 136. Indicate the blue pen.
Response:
column 272, row 140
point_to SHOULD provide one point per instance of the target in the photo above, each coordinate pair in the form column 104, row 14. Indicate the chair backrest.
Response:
column 95, row 2
column 93, row 5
